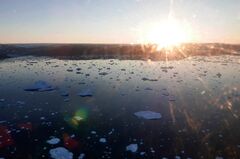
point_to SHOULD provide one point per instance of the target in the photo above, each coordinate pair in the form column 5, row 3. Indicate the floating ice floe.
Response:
column 219, row 75
column 85, row 93
column 102, row 140
column 66, row 99
column 81, row 156
column 65, row 94
column 147, row 79
column 148, row 89
column 150, row 115
column 177, row 157
column 132, row 147
column 60, row 153
column 53, row 141
column 2, row 100
column 103, row 73
column 165, row 92
column 111, row 131
column 20, row 102
column 40, row 86
column 93, row 132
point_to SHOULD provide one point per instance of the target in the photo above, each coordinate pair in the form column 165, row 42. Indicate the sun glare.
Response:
column 166, row 34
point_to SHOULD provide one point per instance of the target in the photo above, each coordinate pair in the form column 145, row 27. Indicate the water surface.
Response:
column 198, row 99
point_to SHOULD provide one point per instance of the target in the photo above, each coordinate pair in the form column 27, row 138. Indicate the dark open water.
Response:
column 198, row 99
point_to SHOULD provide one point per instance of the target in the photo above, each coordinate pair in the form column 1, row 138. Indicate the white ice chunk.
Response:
column 132, row 147
column 150, row 115
column 81, row 156
column 53, row 141
column 66, row 99
column 93, row 132
column 102, row 140
column 60, row 153
column 20, row 102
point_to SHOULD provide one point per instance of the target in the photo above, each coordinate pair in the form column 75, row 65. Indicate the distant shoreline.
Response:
column 117, row 51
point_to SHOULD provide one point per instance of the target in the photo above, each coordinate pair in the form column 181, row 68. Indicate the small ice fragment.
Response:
column 53, row 141
column 86, row 93
column 177, row 157
column 81, row 156
column 102, row 140
column 2, row 100
column 165, row 93
column 103, row 73
column 219, row 75
column 66, row 99
column 147, row 79
column 42, row 118
column 142, row 153
column 148, row 89
column 65, row 94
column 93, row 132
column 2, row 121
column 20, row 102
column 152, row 150
column 132, row 147
column 60, row 153
column 78, row 69
column 150, row 115
column 70, row 70
column 111, row 132
column 203, row 92
column 218, row 157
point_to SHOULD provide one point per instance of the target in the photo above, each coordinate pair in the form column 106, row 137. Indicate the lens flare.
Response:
column 79, row 116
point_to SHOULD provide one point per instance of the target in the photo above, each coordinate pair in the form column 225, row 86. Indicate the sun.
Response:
column 167, row 34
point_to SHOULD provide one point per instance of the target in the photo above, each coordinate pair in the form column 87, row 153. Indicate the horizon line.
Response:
column 102, row 43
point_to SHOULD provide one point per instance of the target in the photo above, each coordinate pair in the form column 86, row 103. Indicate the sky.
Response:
column 114, row 21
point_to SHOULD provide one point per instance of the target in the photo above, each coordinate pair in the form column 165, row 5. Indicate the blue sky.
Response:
column 113, row 21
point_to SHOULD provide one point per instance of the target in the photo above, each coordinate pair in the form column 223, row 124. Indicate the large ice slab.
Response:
column 150, row 115
column 132, row 147
column 60, row 153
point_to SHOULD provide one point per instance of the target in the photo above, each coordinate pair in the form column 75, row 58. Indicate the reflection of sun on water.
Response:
column 167, row 34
